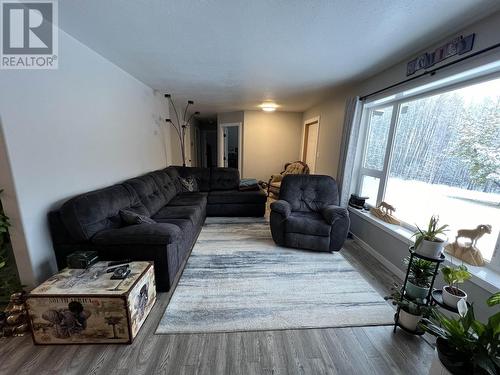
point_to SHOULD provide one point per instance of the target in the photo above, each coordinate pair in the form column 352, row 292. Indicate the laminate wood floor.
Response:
column 357, row 350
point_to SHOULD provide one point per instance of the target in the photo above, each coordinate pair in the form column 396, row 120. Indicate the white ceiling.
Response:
column 233, row 54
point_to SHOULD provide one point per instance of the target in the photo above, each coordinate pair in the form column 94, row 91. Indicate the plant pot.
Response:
column 437, row 368
column 409, row 321
column 451, row 299
column 414, row 291
column 455, row 362
column 430, row 249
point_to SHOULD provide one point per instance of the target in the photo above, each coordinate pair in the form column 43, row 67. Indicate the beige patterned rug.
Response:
column 237, row 279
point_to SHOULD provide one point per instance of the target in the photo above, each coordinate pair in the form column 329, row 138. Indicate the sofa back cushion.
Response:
column 173, row 173
column 89, row 213
column 202, row 176
column 149, row 192
column 309, row 192
column 224, row 179
column 167, row 186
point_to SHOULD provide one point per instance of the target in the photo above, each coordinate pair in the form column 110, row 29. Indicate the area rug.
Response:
column 237, row 279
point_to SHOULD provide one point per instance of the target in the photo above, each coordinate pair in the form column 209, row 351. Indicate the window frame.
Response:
column 396, row 100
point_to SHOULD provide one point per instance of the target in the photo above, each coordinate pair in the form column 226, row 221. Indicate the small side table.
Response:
column 79, row 306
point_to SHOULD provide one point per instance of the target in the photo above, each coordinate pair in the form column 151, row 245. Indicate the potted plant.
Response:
column 427, row 242
column 466, row 345
column 419, row 278
column 9, row 282
column 410, row 311
column 452, row 277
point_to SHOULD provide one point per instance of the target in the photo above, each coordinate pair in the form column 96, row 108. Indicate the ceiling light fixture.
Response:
column 268, row 106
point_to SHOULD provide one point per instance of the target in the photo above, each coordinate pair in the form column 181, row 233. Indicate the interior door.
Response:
column 231, row 139
column 230, row 144
column 311, row 145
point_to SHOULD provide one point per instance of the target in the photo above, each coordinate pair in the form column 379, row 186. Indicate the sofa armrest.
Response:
column 146, row 234
column 332, row 213
column 282, row 207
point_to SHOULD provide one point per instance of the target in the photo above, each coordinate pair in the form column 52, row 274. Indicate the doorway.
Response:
column 230, row 141
column 310, row 143
column 207, row 142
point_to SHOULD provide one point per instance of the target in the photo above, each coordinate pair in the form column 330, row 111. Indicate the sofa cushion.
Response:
column 166, row 184
column 133, row 218
column 149, row 192
column 159, row 233
column 309, row 192
column 310, row 223
column 185, row 225
column 193, row 213
column 173, row 173
column 202, row 176
column 236, row 196
column 86, row 214
column 189, row 199
column 224, row 179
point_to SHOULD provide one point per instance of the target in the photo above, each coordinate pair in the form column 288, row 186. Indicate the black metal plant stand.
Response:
column 429, row 299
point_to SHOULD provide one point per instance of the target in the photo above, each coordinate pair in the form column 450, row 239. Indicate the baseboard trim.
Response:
column 391, row 267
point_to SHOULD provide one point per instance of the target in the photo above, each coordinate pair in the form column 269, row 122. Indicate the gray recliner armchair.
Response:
column 307, row 215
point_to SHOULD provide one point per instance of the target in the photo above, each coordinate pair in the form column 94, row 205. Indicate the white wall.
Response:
column 86, row 125
column 270, row 139
column 331, row 114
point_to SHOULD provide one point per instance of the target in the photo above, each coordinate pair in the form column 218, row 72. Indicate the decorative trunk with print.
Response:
column 87, row 307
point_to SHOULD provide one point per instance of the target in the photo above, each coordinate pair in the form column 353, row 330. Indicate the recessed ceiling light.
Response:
column 268, row 106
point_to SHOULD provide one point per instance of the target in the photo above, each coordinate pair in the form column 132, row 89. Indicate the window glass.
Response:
column 369, row 188
column 446, row 161
column 378, row 131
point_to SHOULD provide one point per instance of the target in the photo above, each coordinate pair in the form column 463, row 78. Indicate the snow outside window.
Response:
column 439, row 154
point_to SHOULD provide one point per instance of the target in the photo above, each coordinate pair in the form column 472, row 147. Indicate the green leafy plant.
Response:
column 454, row 276
column 431, row 233
column 9, row 281
column 493, row 300
column 414, row 307
column 421, row 271
column 476, row 343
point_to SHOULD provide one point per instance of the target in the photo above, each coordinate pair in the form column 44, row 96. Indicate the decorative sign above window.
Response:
column 457, row 46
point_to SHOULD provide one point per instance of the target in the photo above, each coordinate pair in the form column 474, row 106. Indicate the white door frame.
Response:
column 304, row 126
column 220, row 143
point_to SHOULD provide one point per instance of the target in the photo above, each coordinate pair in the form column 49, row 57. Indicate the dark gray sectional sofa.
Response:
column 92, row 221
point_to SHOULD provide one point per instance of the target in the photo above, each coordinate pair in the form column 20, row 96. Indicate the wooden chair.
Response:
column 274, row 184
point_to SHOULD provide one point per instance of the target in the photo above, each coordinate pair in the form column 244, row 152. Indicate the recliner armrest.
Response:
column 332, row 213
column 282, row 207
column 147, row 234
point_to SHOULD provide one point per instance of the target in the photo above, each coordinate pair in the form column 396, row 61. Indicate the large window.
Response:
column 438, row 153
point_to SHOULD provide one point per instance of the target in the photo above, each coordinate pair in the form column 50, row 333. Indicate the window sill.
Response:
column 484, row 277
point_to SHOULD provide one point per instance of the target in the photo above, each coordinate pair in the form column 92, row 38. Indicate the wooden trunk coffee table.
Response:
column 79, row 306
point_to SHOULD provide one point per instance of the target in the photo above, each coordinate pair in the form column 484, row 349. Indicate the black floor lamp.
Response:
column 180, row 127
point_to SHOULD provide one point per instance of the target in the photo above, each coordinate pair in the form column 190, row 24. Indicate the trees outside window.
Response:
column 442, row 156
